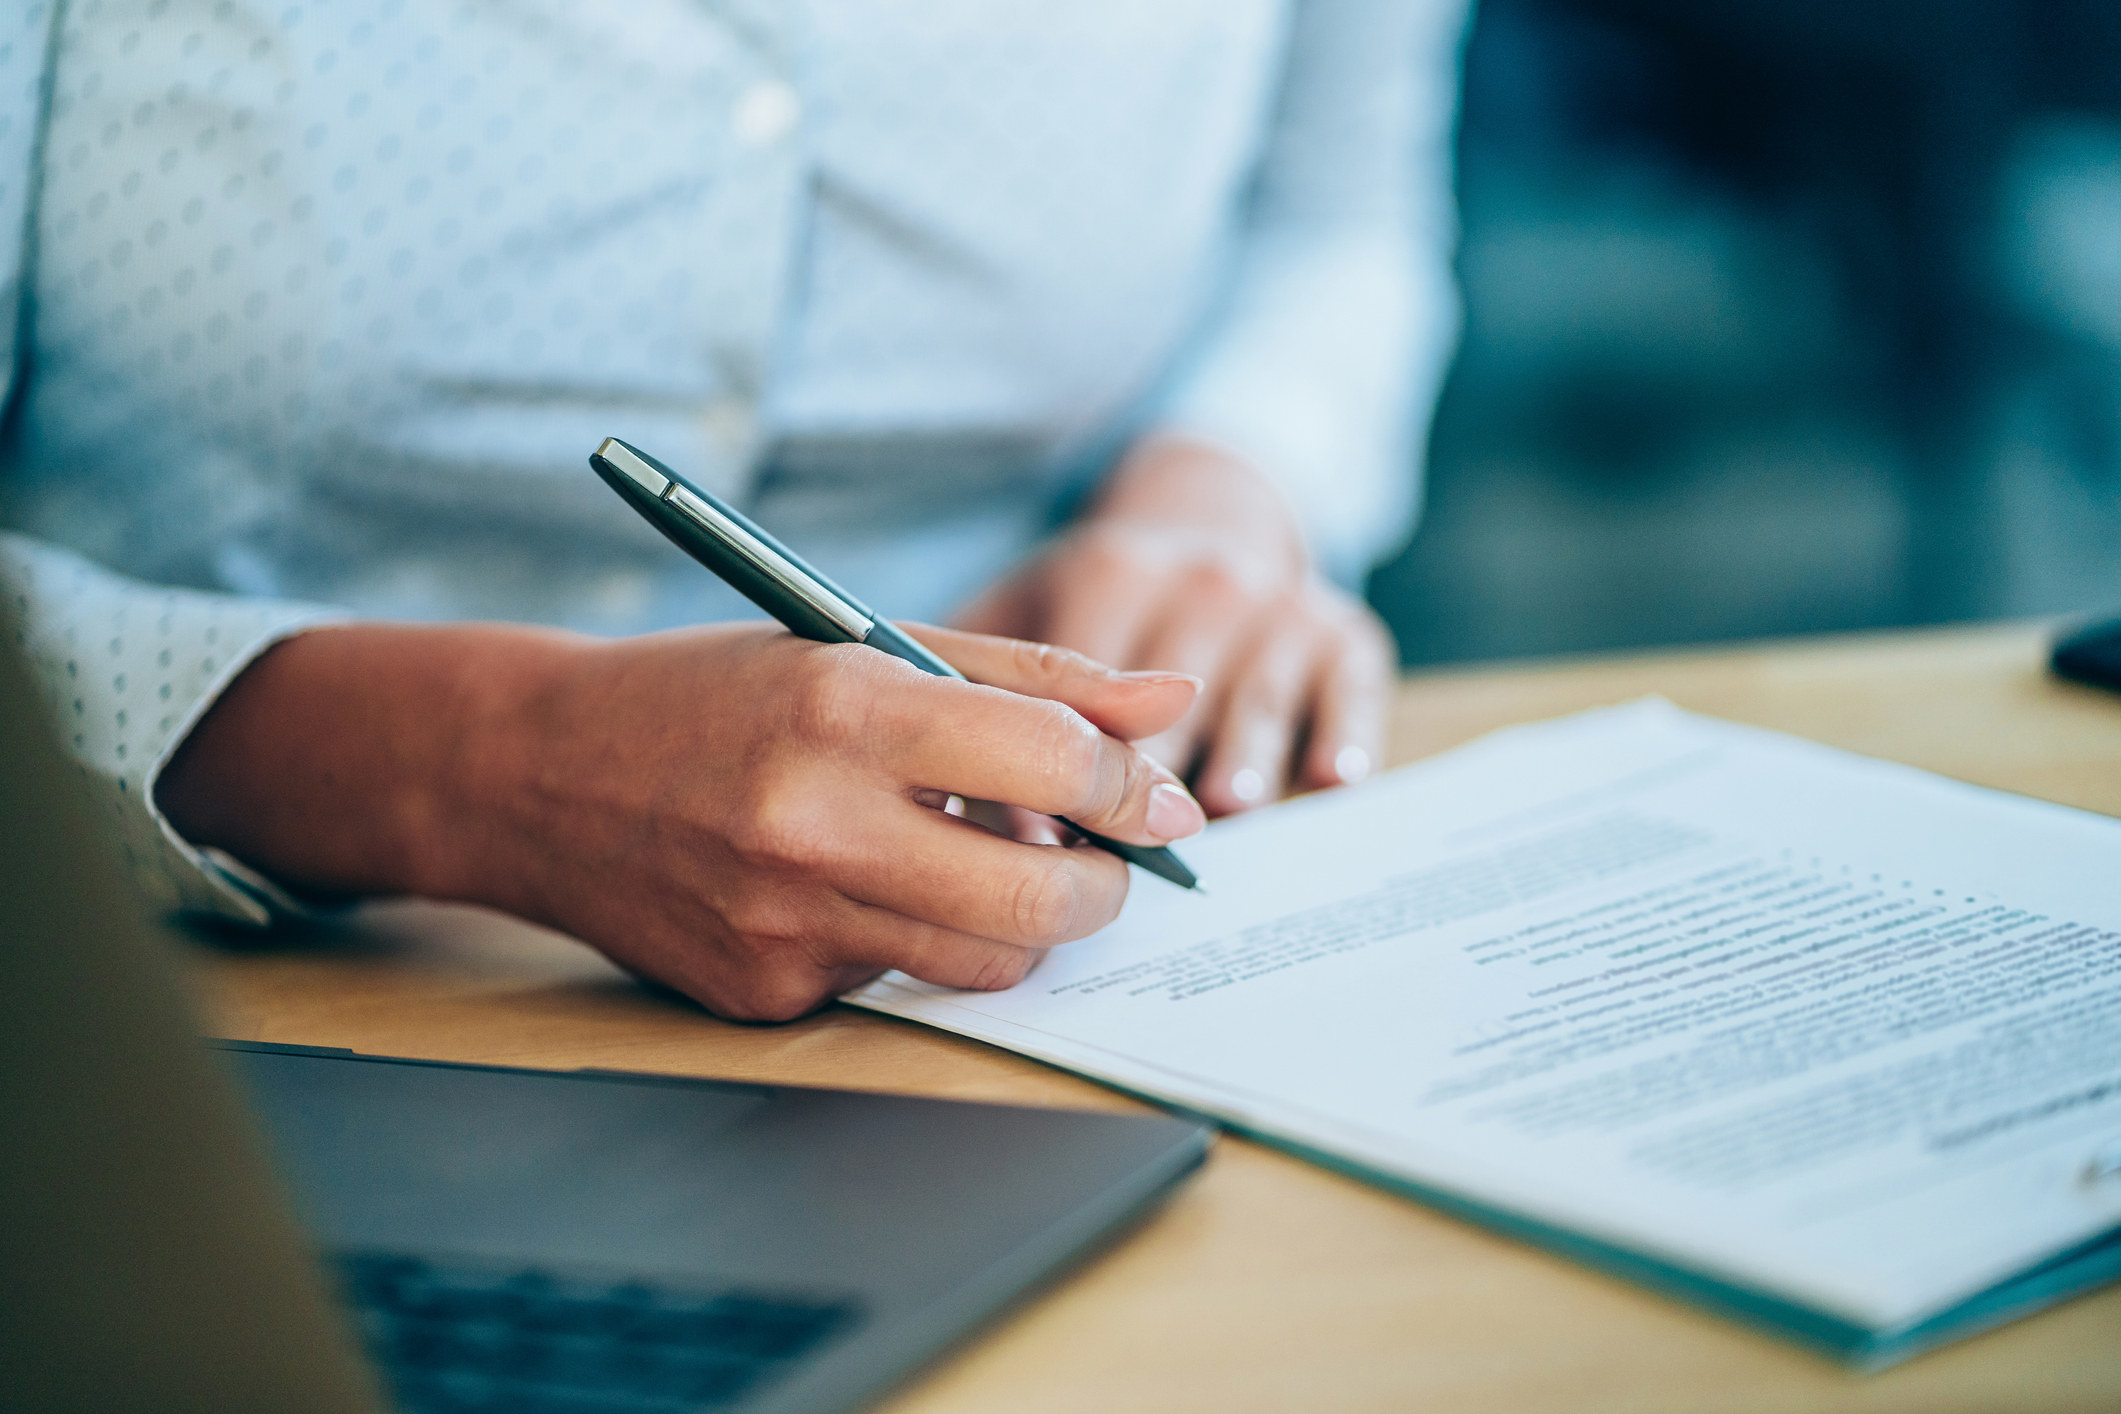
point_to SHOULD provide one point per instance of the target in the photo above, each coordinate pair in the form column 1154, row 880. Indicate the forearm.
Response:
column 360, row 758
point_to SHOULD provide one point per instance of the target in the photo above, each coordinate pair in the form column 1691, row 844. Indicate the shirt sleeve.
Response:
column 126, row 668
column 1324, row 357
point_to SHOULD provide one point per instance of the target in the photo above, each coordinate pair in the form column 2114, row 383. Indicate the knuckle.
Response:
column 1217, row 581
column 1287, row 636
column 1293, row 613
column 1043, row 905
column 1000, row 969
column 1068, row 753
column 1039, row 662
column 780, row 830
column 1055, row 666
column 1269, row 691
column 831, row 697
column 1211, row 579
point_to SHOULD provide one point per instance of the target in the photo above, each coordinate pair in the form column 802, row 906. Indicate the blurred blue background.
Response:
column 1782, row 316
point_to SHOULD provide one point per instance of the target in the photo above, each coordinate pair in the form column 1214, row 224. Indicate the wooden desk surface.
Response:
column 1267, row 1284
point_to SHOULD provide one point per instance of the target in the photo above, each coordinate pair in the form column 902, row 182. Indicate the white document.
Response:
column 1777, row 1018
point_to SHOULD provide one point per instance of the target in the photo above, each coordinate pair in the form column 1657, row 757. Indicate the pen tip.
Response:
column 1199, row 890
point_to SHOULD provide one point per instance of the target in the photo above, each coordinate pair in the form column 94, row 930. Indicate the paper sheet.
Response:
column 1816, row 1025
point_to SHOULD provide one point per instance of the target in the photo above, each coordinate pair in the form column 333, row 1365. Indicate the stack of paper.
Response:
column 1827, row 1043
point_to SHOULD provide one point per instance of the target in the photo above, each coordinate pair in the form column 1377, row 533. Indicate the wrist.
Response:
column 458, row 809
column 365, row 758
column 1170, row 479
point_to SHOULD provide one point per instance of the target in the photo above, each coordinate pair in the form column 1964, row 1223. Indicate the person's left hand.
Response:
column 1190, row 561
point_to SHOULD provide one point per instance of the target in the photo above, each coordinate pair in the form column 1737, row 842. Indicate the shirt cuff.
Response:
column 211, row 881
column 127, row 670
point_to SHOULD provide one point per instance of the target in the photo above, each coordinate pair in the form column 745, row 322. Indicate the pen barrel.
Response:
column 1156, row 859
column 798, row 617
column 885, row 637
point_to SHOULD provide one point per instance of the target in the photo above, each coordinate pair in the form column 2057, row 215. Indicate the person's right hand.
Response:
column 752, row 819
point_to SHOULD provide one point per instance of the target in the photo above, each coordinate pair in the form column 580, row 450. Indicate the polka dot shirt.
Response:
column 324, row 302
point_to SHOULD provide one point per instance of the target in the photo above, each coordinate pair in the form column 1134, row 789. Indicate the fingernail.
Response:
column 1248, row 785
column 1351, row 765
column 1173, row 814
column 1156, row 675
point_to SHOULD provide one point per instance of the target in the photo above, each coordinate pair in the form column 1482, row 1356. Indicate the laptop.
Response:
column 246, row 1227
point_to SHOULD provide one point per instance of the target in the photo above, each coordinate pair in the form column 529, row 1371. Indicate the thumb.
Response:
column 1129, row 706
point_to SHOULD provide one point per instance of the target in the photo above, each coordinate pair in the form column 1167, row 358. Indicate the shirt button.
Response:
column 766, row 112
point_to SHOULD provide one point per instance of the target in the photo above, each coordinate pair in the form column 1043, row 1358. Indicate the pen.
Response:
column 775, row 578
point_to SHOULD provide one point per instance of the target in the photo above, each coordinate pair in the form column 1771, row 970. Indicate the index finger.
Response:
column 1128, row 705
column 987, row 743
